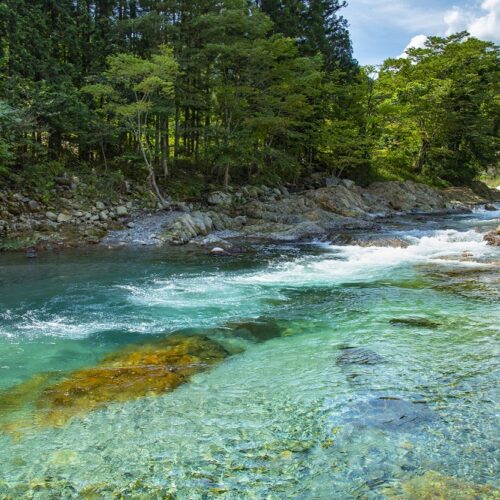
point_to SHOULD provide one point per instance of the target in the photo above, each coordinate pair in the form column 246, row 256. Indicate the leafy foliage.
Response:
column 242, row 91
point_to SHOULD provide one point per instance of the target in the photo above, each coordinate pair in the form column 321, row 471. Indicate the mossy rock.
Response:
column 130, row 373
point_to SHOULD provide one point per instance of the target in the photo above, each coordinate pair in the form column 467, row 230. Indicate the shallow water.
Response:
column 331, row 399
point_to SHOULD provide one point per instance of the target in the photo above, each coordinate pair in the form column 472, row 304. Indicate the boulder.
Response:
column 62, row 218
column 100, row 205
column 493, row 237
column 121, row 211
column 340, row 200
column 284, row 191
column 220, row 198
column 348, row 183
column 33, row 205
column 51, row 216
column 180, row 231
column 332, row 182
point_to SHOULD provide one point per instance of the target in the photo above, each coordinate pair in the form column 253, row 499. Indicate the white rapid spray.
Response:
column 361, row 263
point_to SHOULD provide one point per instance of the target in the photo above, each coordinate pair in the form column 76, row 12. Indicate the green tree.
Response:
column 132, row 86
column 438, row 109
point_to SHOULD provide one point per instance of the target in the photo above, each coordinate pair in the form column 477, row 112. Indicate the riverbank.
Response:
column 326, row 210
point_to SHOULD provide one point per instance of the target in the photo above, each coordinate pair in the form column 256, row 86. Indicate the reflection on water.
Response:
column 353, row 371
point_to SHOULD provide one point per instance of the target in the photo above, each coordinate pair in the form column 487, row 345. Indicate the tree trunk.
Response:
column 149, row 165
column 165, row 153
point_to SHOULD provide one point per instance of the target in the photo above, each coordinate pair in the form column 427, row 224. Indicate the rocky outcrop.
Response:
column 408, row 197
column 187, row 227
column 322, row 212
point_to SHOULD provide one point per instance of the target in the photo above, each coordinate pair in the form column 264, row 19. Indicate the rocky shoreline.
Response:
column 249, row 213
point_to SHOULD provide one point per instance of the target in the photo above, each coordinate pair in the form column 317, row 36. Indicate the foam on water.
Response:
column 358, row 263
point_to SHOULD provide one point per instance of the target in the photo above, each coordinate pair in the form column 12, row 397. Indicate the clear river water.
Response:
column 352, row 370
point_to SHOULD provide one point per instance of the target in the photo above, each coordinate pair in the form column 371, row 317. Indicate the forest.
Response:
column 232, row 91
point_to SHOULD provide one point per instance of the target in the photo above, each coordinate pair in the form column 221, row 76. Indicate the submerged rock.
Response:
column 415, row 322
column 433, row 485
column 478, row 283
column 358, row 356
column 390, row 413
column 260, row 330
column 130, row 373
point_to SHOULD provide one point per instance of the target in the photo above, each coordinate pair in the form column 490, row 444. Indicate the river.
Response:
column 352, row 370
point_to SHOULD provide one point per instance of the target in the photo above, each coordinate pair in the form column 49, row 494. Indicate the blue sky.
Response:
column 384, row 28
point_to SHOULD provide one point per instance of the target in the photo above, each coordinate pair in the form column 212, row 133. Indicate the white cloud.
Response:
column 455, row 19
column 484, row 24
column 417, row 42
column 381, row 28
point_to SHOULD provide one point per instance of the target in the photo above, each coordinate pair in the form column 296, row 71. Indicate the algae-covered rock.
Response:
column 130, row 373
column 435, row 486
column 133, row 372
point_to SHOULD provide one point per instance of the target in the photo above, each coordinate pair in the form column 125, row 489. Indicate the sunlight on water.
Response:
column 352, row 370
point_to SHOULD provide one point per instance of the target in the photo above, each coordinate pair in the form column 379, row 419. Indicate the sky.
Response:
column 384, row 28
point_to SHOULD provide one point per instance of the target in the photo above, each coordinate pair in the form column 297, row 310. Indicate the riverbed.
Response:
column 350, row 371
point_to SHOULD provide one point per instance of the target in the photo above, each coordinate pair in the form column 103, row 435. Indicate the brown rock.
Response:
column 493, row 237
column 132, row 372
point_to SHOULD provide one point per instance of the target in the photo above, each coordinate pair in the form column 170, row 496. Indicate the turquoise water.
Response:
column 341, row 393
